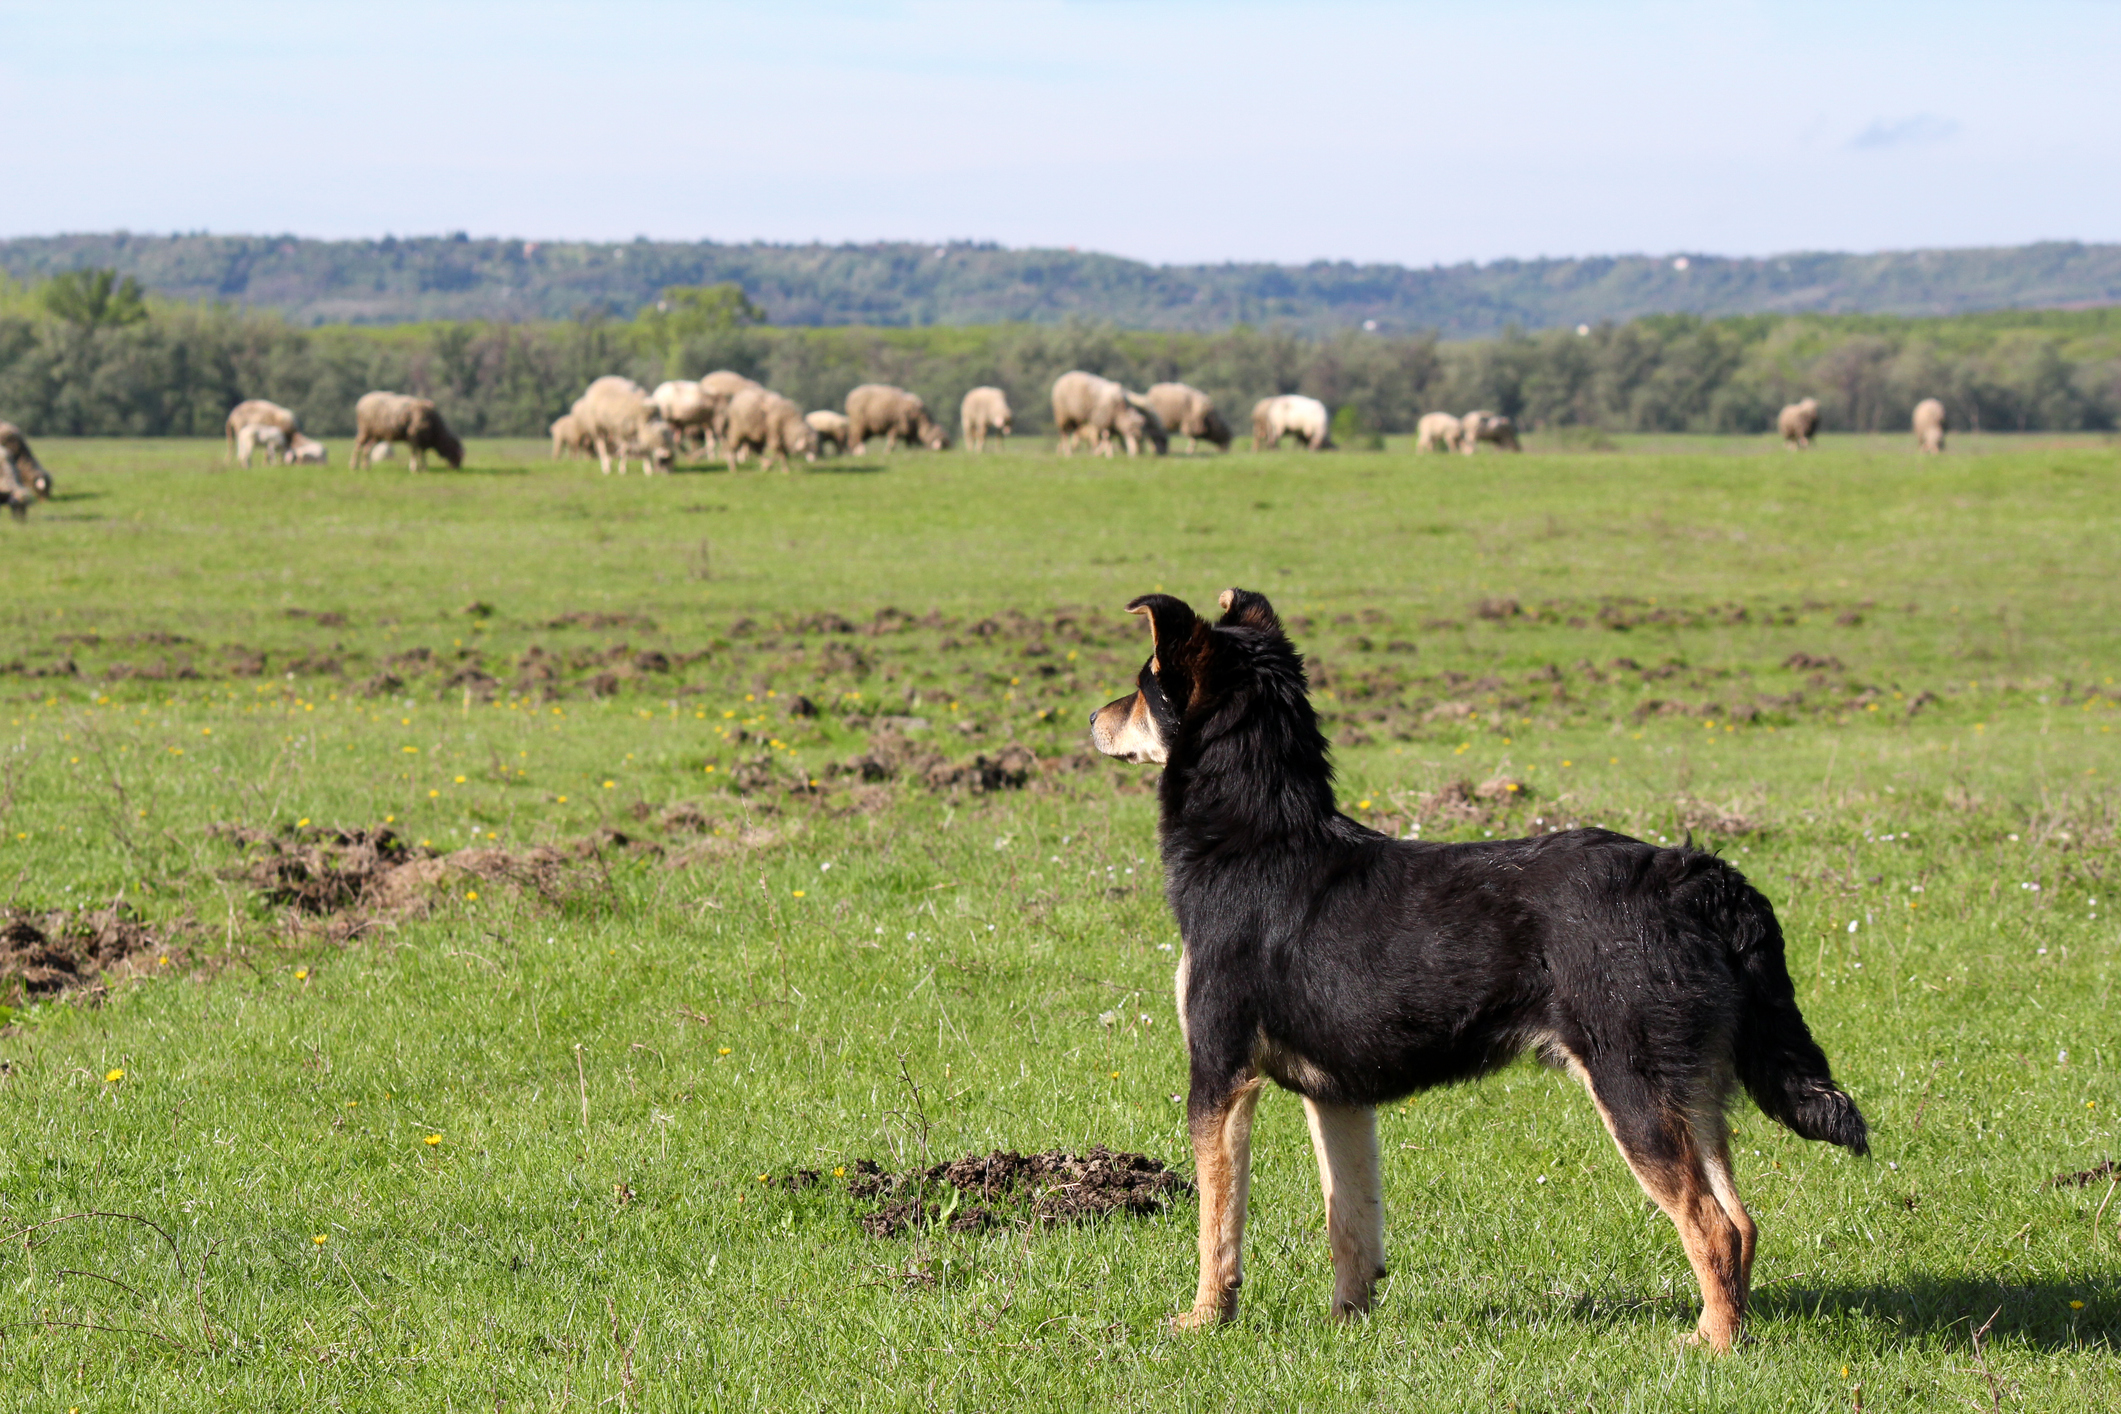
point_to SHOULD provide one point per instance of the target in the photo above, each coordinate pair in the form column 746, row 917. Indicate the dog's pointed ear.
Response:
column 1242, row 608
column 1171, row 620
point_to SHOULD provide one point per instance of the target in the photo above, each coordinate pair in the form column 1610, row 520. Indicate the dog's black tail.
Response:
column 1777, row 1060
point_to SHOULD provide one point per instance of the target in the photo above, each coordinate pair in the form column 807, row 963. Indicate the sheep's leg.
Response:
column 603, row 454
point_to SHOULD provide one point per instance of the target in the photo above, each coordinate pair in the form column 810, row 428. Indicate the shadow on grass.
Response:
column 1918, row 1311
column 715, row 468
column 1925, row 1307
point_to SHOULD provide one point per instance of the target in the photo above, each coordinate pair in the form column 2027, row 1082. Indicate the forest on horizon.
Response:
column 91, row 354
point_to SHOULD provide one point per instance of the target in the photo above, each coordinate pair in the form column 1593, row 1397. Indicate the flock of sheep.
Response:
column 620, row 421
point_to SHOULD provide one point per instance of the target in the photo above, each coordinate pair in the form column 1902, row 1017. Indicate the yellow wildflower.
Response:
column 114, row 1077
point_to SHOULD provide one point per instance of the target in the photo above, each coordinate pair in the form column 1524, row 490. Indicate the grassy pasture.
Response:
column 1891, row 681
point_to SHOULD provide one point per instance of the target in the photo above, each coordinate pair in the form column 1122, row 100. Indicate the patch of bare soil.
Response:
column 1700, row 817
column 1462, row 802
column 2105, row 1171
column 44, row 954
column 359, row 875
column 892, row 757
column 1002, row 1188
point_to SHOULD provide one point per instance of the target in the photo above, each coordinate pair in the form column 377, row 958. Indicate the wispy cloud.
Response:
column 1916, row 130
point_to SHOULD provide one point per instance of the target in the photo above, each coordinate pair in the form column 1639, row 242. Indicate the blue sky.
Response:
column 1162, row 129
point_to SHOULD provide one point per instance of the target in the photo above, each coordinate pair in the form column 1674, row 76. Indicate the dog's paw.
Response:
column 1718, row 1341
column 1200, row 1318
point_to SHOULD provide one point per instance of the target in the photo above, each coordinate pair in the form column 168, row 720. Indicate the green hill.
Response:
column 900, row 284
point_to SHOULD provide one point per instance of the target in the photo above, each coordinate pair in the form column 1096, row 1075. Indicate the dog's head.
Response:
column 1141, row 726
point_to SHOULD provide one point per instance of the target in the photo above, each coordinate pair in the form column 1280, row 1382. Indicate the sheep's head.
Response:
column 659, row 443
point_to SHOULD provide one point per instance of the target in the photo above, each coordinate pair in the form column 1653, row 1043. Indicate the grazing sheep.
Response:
column 762, row 421
column 828, row 426
column 12, row 490
column 1797, row 423
column 260, row 436
column 1477, row 427
column 619, row 419
column 1088, row 408
column 717, row 388
column 1929, row 425
column 1190, row 413
column 306, row 451
column 568, row 439
column 256, row 412
column 23, row 468
column 901, row 416
column 1437, row 432
column 1469, row 432
column 394, row 417
column 1137, row 424
column 1290, row 415
column 984, row 410
column 687, row 409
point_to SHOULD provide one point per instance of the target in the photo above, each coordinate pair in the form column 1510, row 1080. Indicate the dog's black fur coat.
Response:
column 1396, row 965
column 1356, row 968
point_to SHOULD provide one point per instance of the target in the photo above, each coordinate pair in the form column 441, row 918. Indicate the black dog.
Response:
column 1354, row 968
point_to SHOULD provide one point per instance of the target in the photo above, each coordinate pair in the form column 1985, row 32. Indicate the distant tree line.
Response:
column 84, row 355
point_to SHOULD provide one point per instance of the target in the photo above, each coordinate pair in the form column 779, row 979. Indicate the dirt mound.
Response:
column 342, row 873
column 43, row 954
column 1701, row 818
column 1460, row 802
column 2105, row 1171
column 1005, row 1187
column 891, row 756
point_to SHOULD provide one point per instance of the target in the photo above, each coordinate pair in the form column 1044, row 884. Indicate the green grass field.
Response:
column 502, row 1147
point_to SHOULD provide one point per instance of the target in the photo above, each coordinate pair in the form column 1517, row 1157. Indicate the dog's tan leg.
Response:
column 1683, row 1163
column 1671, row 1169
column 1222, row 1161
column 1345, row 1138
column 1712, row 1138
